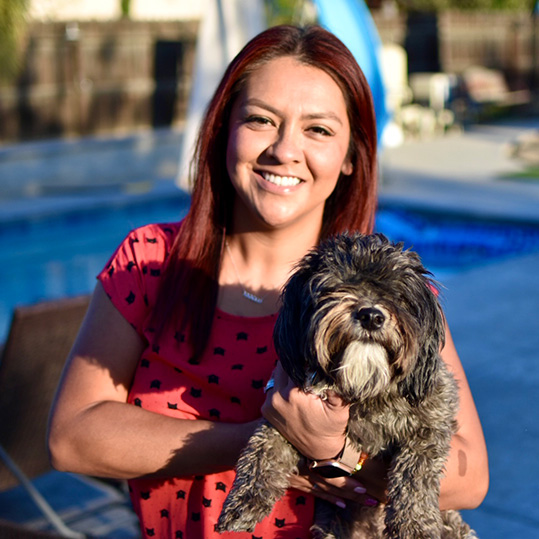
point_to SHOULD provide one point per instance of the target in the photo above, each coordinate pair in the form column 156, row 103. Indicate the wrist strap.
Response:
column 348, row 462
column 352, row 458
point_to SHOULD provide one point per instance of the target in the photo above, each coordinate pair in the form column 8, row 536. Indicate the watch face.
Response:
column 330, row 469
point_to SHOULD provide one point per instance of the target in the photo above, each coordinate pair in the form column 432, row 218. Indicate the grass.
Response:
column 530, row 174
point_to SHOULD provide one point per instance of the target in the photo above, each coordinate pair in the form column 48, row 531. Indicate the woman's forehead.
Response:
column 286, row 78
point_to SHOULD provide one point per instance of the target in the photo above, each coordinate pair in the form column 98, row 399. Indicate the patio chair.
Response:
column 8, row 530
column 31, row 493
column 488, row 92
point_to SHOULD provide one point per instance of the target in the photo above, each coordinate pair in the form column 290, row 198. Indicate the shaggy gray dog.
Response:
column 360, row 317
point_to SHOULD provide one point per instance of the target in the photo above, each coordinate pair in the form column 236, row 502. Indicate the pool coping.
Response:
column 94, row 199
column 18, row 211
column 432, row 207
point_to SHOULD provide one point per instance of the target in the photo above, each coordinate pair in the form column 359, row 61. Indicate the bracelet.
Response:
column 350, row 458
column 269, row 385
column 362, row 458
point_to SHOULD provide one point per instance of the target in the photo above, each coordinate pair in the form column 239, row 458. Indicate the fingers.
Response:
column 334, row 401
column 306, row 484
column 280, row 376
column 281, row 384
column 373, row 474
column 340, row 491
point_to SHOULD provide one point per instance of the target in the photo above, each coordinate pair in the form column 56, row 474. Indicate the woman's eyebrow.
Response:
column 255, row 102
column 322, row 115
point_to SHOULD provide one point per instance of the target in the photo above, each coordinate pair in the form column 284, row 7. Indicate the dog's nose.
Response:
column 371, row 318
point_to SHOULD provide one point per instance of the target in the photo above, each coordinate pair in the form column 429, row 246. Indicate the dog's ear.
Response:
column 421, row 379
column 291, row 328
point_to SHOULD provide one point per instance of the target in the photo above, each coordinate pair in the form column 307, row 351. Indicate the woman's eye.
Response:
column 258, row 120
column 319, row 130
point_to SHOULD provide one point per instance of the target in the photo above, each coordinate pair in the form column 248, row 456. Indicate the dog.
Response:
column 360, row 316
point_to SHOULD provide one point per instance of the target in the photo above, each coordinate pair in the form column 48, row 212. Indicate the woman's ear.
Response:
column 347, row 167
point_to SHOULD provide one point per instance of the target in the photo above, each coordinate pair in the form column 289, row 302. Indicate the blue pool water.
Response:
column 451, row 243
column 54, row 256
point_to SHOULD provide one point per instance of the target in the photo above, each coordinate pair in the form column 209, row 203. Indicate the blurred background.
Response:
column 86, row 67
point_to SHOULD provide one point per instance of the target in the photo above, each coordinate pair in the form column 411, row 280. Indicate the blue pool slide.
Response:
column 352, row 23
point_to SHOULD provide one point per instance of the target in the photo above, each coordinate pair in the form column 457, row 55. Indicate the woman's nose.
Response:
column 286, row 147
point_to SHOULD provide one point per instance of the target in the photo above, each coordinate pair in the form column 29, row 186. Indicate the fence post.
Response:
column 534, row 84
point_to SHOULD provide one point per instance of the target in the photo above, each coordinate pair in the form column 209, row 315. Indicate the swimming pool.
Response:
column 57, row 255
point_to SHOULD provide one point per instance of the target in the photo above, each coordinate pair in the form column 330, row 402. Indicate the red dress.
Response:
column 226, row 385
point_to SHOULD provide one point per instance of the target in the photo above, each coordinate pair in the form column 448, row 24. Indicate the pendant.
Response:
column 252, row 297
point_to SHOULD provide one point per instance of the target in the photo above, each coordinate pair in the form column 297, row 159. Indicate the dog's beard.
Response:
column 363, row 371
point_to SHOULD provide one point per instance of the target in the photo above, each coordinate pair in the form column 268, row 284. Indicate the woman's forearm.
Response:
column 92, row 429
column 113, row 439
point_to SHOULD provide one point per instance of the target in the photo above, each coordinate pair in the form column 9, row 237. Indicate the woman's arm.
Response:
column 92, row 430
column 317, row 430
column 466, row 480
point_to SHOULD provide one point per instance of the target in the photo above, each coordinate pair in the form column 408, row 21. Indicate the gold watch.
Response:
column 348, row 462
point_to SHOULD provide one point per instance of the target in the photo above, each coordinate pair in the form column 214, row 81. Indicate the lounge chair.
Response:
column 32, row 495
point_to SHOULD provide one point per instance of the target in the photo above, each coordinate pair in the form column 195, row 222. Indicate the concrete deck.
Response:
column 493, row 311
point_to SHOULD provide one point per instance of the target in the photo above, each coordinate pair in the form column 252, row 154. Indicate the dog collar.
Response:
column 348, row 462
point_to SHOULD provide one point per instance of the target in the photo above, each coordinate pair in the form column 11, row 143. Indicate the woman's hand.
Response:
column 315, row 427
column 366, row 487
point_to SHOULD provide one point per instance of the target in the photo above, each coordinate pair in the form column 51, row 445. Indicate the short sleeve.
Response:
column 131, row 276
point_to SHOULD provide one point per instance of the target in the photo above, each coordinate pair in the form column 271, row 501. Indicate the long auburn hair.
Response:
column 189, row 286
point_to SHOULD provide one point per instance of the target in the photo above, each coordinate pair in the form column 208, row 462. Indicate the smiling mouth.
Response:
column 281, row 181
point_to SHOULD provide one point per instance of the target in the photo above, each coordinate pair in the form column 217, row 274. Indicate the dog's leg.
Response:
column 331, row 522
column 262, row 474
column 454, row 526
column 413, row 490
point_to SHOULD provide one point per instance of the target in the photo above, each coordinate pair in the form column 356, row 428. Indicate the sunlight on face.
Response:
column 288, row 145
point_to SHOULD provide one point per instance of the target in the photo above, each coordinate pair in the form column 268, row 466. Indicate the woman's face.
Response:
column 287, row 146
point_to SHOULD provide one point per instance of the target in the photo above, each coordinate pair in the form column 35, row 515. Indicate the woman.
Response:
column 165, row 382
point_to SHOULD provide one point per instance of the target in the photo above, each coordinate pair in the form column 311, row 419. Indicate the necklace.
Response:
column 249, row 295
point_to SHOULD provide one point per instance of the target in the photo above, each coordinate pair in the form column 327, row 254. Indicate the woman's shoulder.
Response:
column 155, row 232
column 153, row 240
column 144, row 246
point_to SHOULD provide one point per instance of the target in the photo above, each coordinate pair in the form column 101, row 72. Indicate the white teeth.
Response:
column 283, row 181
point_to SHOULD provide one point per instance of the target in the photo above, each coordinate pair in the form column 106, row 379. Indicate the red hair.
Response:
column 189, row 287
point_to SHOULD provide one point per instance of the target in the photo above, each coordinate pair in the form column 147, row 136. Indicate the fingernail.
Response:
column 360, row 490
column 340, row 504
column 370, row 502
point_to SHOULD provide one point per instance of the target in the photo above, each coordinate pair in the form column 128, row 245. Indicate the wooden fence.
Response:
column 96, row 77
column 453, row 41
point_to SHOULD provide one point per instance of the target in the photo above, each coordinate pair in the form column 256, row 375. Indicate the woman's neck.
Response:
column 254, row 268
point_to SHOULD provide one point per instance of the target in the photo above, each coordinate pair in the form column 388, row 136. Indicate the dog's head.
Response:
column 360, row 316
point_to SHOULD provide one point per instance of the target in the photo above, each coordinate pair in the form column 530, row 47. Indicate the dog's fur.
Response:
column 360, row 317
